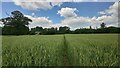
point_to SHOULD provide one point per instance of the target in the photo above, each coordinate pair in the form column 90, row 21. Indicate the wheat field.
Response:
column 60, row 50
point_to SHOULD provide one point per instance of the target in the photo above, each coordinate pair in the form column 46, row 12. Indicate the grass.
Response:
column 93, row 50
column 32, row 50
column 60, row 50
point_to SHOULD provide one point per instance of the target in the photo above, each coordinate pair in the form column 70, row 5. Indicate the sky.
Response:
column 72, row 14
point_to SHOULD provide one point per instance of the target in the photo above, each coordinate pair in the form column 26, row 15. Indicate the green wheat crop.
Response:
column 59, row 50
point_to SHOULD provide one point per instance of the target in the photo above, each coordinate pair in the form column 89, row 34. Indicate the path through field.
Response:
column 66, row 62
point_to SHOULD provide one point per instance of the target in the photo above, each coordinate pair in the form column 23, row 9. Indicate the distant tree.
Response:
column 39, row 28
column 0, row 30
column 17, row 24
column 102, row 25
column 113, row 29
column 77, row 31
column 51, row 31
column 64, row 29
column 90, row 27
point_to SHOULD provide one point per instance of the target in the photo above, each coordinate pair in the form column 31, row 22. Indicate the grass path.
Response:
column 66, row 62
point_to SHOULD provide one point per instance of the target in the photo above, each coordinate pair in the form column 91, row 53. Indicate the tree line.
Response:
column 66, row 30
column 17, row 24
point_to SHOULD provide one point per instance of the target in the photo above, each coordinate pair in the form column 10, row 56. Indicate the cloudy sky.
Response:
column 72, row 14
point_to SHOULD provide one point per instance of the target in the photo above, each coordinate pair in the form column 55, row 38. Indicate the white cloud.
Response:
column 39, row 21
column 74, row 21
column 67, row 12
column 101, row 12
column 110, row 17
column 56, row 4
column 112, row 9
column 78, row 22
column 33, row 5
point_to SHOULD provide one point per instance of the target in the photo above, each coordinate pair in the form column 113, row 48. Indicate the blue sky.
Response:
column 83, row 9
column 86, row 9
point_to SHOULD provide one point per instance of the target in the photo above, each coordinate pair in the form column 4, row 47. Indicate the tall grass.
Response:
column 93, row 50
column 61, row 50
column 32, row 50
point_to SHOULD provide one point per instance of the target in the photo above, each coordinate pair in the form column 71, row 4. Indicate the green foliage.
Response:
column 66, row 30
column 45, row 31
column 17, row 24
column 20, row 30
column 102, row 25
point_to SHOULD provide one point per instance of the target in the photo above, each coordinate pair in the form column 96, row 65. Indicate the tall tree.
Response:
column 102, row 25
column 16, row 24
column 90, row 27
